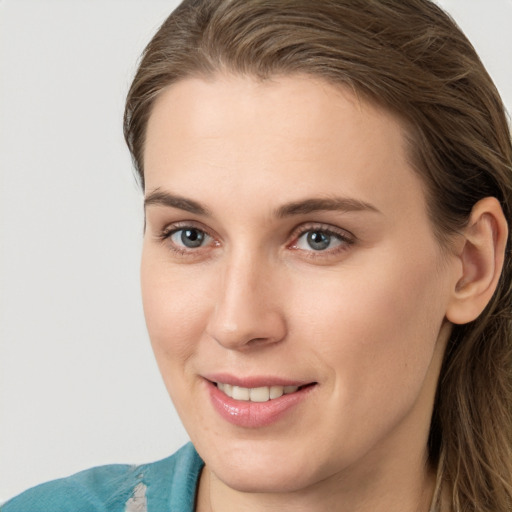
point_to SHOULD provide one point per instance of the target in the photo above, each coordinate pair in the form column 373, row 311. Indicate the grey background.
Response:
column 78, row 383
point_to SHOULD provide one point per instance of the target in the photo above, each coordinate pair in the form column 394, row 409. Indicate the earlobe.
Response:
column 481, row 258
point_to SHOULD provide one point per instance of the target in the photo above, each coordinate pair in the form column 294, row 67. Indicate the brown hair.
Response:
column 410, row 57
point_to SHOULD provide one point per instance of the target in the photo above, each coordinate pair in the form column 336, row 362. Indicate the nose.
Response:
column 247, row 310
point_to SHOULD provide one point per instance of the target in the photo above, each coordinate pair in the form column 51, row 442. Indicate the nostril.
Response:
column 256, row 341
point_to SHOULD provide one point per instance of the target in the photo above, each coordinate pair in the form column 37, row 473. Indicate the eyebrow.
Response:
column 344, row 204
column 160, row 198
column 302, row 207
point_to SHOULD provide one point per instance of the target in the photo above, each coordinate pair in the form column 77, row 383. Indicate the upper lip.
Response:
column 255, row 381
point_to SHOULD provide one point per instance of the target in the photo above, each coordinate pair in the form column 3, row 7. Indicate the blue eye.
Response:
column 191, row 238
column 318, row 240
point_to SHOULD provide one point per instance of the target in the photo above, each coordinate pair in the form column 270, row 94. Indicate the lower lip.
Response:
column 255, row 414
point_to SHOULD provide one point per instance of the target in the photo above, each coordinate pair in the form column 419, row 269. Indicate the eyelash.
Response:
column 168, row 231
column 345, row 238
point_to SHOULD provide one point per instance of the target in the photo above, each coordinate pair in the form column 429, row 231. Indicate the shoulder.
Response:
column 168, row 484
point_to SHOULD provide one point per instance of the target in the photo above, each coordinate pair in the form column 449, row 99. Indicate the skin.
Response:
column 364, row 318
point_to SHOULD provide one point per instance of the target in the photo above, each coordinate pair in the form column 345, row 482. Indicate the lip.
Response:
column 248, row 414
column 255, row 381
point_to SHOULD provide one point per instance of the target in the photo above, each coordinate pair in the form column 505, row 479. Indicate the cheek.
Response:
column 374, row 332
column 174, row 308
column 376, row 325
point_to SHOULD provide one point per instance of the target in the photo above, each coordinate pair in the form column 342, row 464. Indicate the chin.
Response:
column 268, row 467
column 276, row 480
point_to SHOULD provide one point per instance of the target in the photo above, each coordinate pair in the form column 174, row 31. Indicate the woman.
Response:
column 326, row 269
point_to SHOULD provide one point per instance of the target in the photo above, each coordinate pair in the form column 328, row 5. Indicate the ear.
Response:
column 481, row 255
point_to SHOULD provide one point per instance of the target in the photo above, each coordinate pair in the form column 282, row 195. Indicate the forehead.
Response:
column 302, row 135
column 302, row 107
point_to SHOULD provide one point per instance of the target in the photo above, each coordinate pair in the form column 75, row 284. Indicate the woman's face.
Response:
column 294, row 292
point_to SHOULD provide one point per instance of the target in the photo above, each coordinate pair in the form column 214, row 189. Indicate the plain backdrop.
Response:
column 78, row 383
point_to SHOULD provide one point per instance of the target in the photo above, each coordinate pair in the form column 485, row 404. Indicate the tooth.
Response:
column 259, row 394
column 276, row 392
column 240, row 393
column 228, row 389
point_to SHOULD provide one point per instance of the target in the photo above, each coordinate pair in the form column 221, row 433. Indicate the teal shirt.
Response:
column 168, row 485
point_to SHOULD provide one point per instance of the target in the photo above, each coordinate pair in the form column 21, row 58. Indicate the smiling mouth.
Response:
column 259, row 394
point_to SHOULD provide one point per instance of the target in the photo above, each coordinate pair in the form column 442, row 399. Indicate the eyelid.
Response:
column 164, row 236
column 343, row 234
column 172, row 227
column 329, row 255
